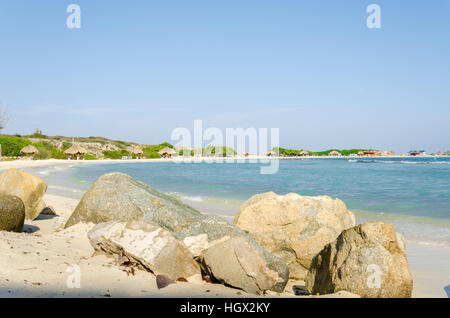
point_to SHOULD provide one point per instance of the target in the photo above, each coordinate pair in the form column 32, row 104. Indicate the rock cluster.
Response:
column 311, row 237
column 118, row 197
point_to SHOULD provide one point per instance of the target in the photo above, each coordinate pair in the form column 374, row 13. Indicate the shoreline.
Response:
column 22, row 163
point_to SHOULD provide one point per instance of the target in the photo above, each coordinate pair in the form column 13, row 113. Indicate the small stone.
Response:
column 300, row 290
column 163, row 281
column 49, row 210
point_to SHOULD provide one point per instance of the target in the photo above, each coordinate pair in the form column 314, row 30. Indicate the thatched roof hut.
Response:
column 167, row 152
column 304, row 153
column 29, row 150
column 76, row 151
column 334, row 153
column 137, row 151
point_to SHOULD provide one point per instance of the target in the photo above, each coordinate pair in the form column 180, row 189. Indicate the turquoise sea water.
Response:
column 413, row 193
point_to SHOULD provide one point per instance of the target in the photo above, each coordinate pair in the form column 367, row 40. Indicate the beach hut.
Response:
column 76, row 151
column 167, row 152
column 138, row 152
column 304, row 153
column 334, row 153
column 246, row 154
column 29, row 150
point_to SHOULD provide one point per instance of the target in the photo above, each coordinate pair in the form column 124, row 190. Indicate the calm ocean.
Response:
column 412, row 193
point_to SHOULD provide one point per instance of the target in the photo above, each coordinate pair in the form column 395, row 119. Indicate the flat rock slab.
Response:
column 147, row 246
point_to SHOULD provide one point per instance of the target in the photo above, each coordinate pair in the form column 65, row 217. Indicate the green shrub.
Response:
column 42, row 154
column 90, row 157
column 211, row 150
column 151, row 151
column 57, row 154
column 115, row 154
column 11, row 146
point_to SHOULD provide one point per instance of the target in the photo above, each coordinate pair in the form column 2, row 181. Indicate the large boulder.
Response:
column 29, row 188
column 12, row 213
column 368, row 260
column 118, row 197
column 236, row 263
column 294, row 227
column 147, row 246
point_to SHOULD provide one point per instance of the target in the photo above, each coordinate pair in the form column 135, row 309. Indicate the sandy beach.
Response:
column 36, row 262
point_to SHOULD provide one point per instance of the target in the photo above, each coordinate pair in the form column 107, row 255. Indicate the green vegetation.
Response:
column 345, row 152
column 116, row 154
column 220, row 151
column 286, row 152
column 90, row 157
column 38, row 134
column 11, row 145
column 295, row 152
column 186, row 152
column 151, row 151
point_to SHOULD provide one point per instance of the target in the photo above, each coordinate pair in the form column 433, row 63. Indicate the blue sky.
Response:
column 138, row 69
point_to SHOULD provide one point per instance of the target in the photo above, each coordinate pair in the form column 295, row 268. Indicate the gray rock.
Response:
column 29, row 188
column 236, row 263
column 147, row 246
column 163, row 281
column 49, row 210
column 118, row 197
column 12, row 213
column 368, row 260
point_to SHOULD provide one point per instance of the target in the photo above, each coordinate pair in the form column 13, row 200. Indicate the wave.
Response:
column 421, row 230
column 66, row 189
column 54, row 169
column 220, row 201
column 397, row 161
